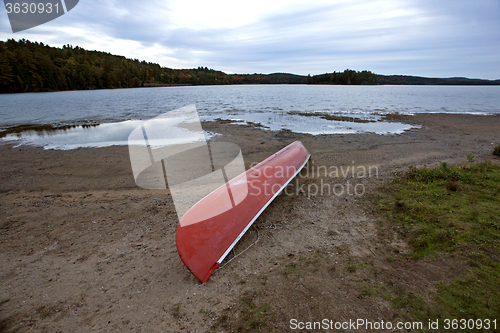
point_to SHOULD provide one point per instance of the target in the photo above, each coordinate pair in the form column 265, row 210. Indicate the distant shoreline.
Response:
column 47, row 69
column 166, row 85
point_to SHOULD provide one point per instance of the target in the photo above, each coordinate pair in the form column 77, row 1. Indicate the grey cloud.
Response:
column 438, row 38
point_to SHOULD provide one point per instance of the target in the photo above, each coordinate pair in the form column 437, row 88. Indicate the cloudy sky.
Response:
column 432, row 38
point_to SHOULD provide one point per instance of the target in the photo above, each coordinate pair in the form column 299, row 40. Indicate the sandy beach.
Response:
column 85, row 249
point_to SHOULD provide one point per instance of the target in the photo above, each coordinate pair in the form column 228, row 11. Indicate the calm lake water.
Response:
column 269, row 105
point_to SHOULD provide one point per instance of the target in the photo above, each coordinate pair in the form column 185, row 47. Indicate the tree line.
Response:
column 31, row 66
column 418, row 80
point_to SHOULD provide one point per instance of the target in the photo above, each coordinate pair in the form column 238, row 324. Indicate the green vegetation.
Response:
column 418, row 80
column 447, row 208
column 351, row 268
column 372, row 290
column 254, row 316
column 26, row 66
column 41, row 128
column 304, row 265
column 346, row 77
column 330, row 117
column 175, row 310
column 451, row 209
column 496, row 150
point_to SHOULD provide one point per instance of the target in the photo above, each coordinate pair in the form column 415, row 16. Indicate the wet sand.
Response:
column 85, row 249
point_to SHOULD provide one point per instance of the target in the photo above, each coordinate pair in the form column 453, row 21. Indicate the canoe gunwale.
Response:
column 261, row 211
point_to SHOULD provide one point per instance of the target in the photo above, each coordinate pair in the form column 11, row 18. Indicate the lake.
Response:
column 274, row 106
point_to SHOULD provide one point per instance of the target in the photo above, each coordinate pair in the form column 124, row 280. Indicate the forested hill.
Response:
column 418, row 80
column 26, row 66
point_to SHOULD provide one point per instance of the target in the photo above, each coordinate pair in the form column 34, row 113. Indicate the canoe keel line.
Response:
column 203, row 240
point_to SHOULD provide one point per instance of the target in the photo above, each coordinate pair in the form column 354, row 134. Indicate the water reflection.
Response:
column 80, row 136
column 318, row 123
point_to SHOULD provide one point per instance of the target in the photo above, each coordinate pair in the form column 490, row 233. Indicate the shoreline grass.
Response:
column 447, row 208
column 452, row 210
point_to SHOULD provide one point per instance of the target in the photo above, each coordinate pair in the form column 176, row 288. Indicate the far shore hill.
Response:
column 31, row 67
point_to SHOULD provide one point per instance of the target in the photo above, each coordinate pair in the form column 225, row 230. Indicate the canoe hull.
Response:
column 203, row 244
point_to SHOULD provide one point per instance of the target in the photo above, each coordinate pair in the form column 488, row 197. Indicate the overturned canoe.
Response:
column 204, row 240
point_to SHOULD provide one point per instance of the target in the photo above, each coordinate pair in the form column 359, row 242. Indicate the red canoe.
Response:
column 203, row 240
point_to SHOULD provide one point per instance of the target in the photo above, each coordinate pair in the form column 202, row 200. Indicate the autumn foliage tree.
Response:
column 31, row 66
